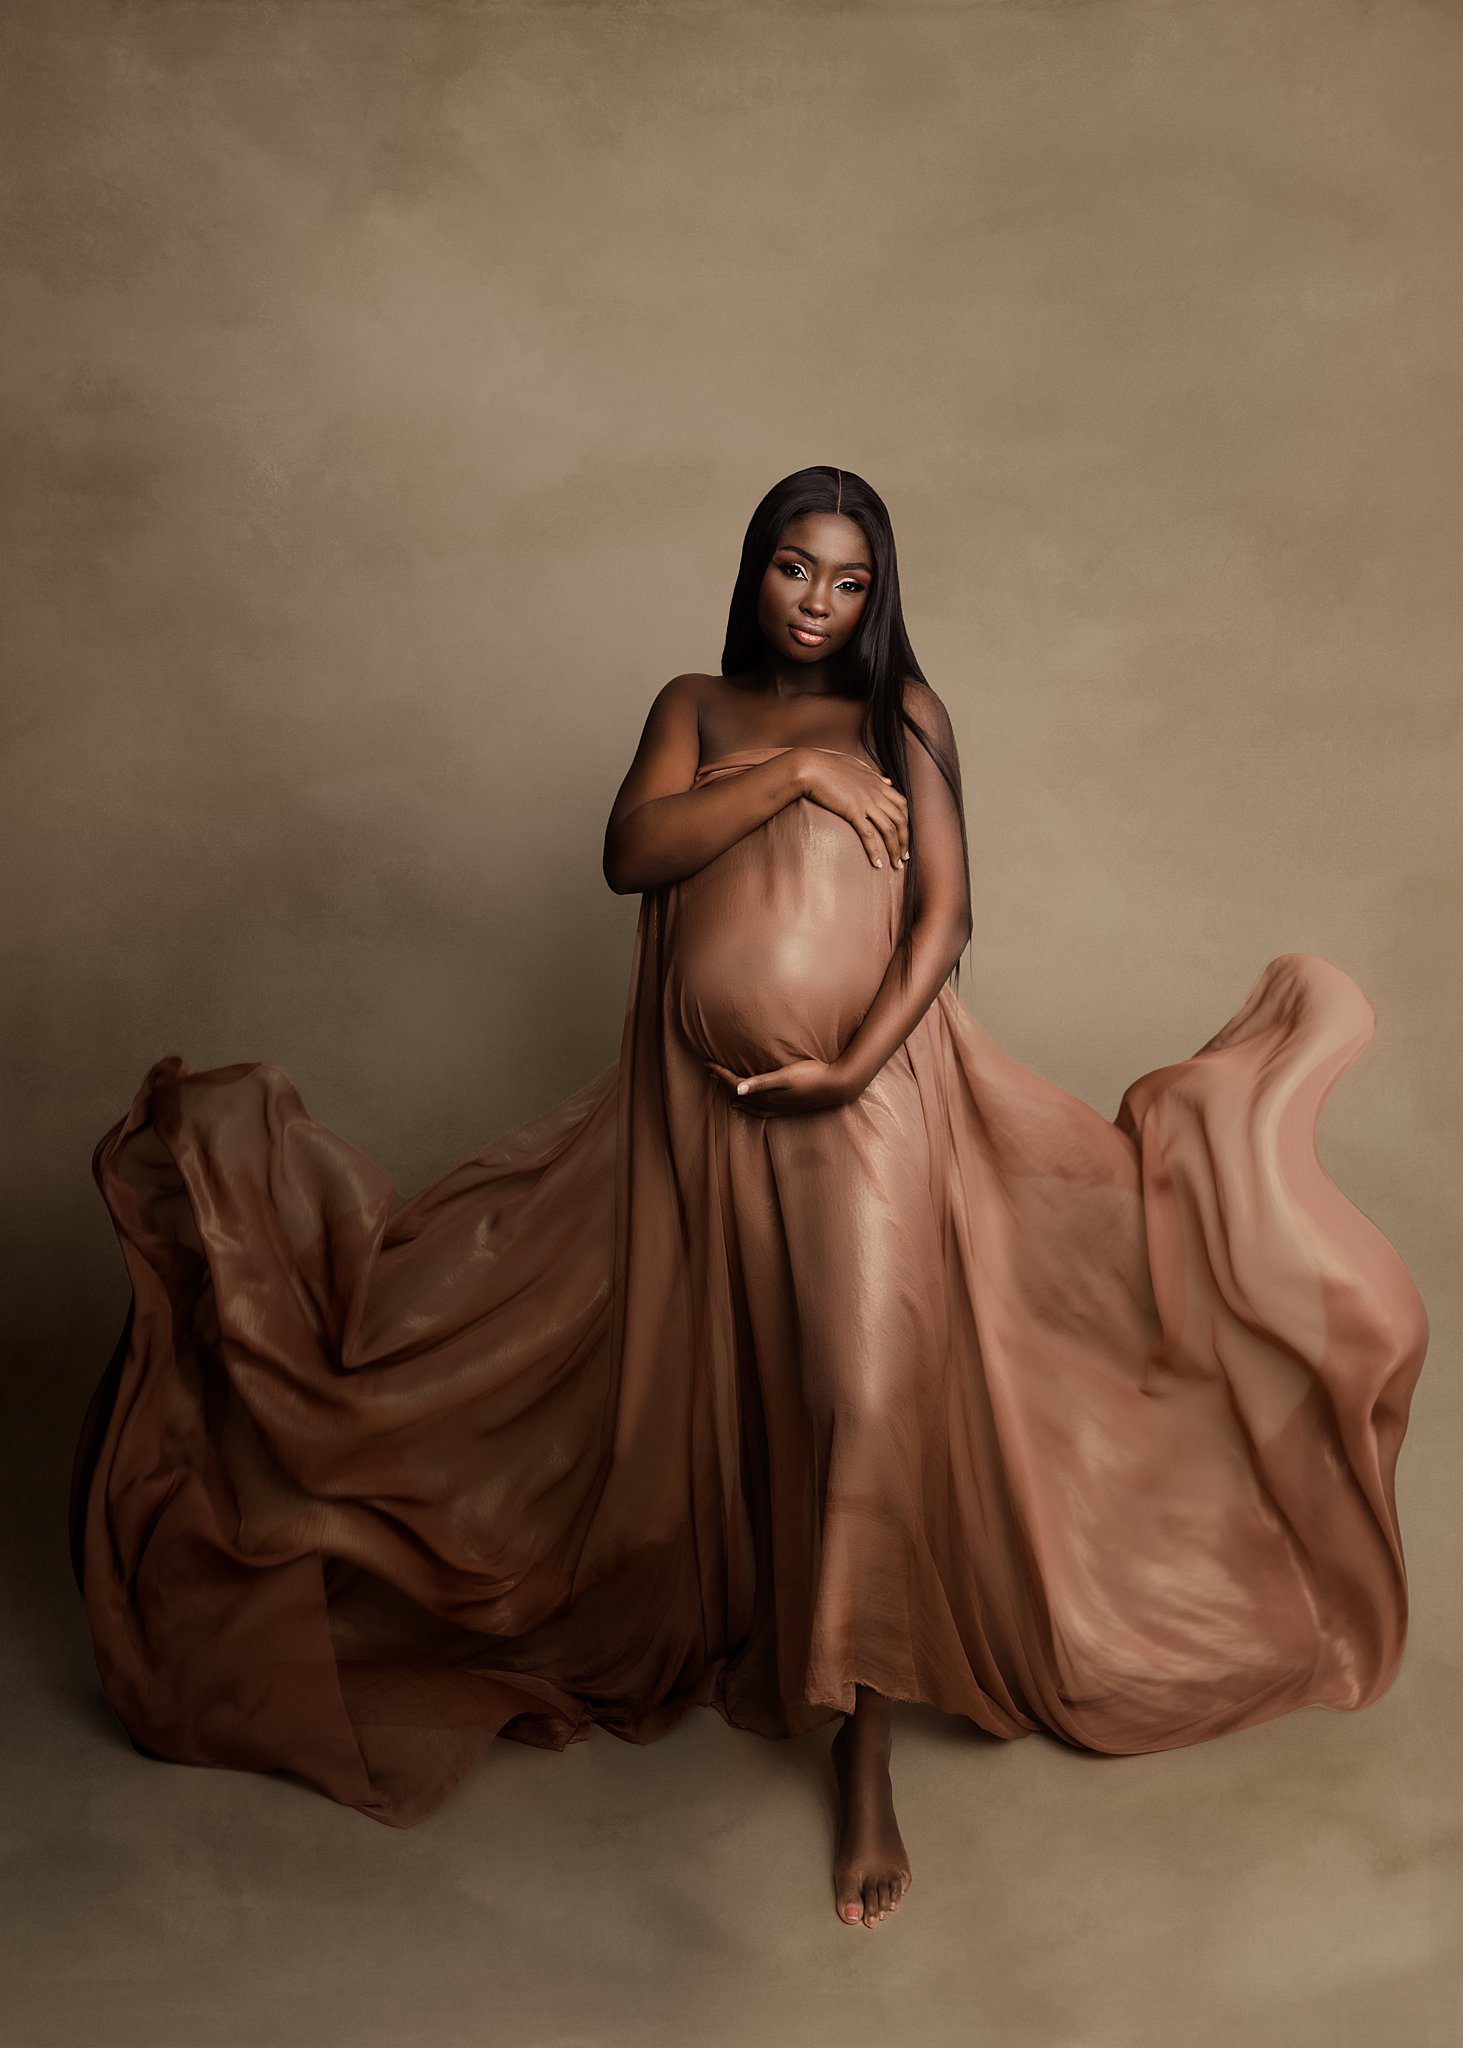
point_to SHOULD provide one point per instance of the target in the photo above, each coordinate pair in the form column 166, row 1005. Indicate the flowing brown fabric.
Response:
column 961, row 1391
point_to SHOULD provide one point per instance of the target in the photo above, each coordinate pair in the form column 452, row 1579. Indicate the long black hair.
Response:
column 880, row 660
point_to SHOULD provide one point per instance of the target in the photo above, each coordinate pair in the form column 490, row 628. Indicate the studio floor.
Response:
column 1293, row 1886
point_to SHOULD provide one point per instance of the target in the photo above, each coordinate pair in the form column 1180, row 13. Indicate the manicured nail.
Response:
column 741, row 1087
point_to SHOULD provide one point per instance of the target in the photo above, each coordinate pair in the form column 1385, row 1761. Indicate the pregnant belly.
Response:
column 778, row 946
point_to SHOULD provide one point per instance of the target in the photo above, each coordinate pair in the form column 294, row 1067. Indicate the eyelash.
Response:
column 848, row 582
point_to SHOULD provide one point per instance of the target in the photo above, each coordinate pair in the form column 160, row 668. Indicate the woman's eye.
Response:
column 848, row 584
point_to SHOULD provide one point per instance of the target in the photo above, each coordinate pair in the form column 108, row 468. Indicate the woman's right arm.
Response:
column 661, row 829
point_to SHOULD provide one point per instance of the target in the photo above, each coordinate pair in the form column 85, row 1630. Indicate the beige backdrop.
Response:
column 387, row 388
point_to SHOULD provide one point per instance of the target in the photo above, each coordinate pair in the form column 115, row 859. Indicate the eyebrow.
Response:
column 789, row 548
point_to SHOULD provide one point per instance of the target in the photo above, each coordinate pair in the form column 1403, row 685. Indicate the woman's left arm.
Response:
column 942, row 929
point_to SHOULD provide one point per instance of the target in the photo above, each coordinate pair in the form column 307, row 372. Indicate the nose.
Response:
column 816, row 607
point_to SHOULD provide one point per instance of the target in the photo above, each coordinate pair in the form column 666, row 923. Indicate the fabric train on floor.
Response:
column 961, row 1391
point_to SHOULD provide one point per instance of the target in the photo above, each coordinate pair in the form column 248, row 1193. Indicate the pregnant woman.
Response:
column 812, row 1356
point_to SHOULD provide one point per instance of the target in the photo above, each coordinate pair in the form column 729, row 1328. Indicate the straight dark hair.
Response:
column 880, row 659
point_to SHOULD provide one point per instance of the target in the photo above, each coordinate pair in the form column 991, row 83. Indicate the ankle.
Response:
column 868, row 1732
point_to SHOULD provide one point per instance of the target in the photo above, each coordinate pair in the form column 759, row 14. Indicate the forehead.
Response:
column 829, row 535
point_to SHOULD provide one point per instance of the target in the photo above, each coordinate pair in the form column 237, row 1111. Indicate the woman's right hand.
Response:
column 854, row 789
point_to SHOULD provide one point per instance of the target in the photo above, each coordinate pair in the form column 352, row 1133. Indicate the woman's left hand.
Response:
column 800, row 1086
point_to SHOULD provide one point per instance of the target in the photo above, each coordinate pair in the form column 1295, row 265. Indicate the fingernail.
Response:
column 741, row 1087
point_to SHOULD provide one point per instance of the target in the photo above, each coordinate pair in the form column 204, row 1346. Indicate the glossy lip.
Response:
column 811, row 631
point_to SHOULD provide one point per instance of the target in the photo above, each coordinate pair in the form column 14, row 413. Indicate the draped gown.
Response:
column 960, row 1390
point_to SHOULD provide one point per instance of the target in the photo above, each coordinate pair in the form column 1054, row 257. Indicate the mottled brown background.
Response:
column 386, row 389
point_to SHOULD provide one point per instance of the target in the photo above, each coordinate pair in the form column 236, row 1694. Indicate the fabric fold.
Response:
column 961, row 1390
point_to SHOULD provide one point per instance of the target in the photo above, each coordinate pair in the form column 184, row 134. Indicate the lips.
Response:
column 807, row 636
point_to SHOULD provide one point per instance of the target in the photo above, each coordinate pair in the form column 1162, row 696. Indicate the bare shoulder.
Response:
column 924, row 707
column 935, row 777
column 698, row 694
column 668, row 750
column 684, row 691
column 675, row 710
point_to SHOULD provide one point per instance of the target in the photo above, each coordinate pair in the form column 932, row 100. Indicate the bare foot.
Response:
column 870, row 1867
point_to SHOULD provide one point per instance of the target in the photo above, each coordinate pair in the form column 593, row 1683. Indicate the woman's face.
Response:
column 815, row 587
